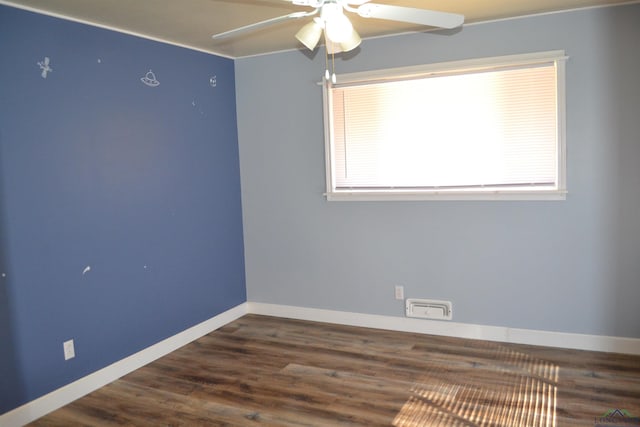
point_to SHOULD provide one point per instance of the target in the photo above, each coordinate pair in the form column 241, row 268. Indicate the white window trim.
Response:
column 558, row 56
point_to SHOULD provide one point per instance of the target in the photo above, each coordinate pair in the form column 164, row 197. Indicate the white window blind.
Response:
column 488, row 129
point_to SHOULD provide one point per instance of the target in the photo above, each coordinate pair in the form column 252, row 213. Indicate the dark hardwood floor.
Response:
column 262, row 370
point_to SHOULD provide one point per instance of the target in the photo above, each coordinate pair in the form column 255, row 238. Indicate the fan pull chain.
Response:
column 326, row 64
column 327, row 74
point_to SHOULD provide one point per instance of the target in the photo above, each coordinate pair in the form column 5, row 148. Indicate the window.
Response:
column 478, row 129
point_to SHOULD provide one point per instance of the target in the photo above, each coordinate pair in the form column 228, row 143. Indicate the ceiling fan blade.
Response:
column 258, row 25
column 426, row 17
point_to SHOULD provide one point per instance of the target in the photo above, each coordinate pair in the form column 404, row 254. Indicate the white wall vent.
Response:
column 429, row 309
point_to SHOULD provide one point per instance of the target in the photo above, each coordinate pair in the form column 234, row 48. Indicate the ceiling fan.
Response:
column 340, row 36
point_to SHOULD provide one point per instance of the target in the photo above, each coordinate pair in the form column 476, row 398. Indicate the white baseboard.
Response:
column 58, row 398
column 67, row 394
column 453, row 329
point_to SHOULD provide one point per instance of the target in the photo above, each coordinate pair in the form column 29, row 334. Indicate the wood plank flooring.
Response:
column 262, row 370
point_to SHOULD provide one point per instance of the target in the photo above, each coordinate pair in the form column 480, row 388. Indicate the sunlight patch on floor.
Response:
column 512, row 389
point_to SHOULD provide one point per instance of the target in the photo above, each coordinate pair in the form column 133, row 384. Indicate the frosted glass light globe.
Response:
column 337, row 27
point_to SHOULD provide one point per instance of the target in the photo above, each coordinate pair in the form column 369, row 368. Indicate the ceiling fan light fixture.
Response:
column 310, row 34
column 339, row 33
column 337, row 26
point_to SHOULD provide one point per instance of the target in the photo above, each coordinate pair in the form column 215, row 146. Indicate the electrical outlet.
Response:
column 69, row 350
column 399, row 292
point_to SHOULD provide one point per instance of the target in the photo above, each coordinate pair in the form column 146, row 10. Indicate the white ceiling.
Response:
column 192, row 22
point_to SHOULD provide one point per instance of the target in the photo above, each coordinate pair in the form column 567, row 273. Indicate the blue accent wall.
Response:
column 120, row 212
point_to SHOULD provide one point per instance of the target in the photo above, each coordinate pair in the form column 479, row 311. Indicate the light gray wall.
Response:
column 571, row 266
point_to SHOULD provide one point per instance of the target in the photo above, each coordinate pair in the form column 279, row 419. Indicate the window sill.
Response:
column 365, row 196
